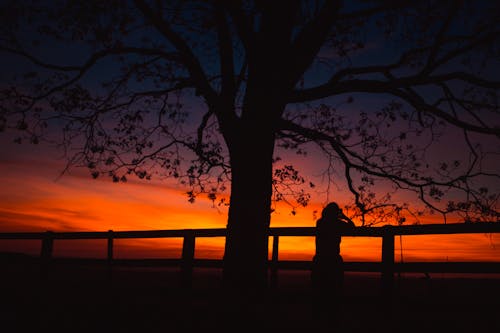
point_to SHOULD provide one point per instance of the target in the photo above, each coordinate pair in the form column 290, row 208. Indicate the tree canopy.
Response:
column 396, row 96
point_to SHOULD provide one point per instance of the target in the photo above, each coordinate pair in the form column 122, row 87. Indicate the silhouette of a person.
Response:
column 328, row 272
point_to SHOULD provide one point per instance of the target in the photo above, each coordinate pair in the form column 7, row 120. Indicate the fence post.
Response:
column 388, row 261
column 110, row 247
column 187, row 259
column 274, row 262
column 110, row 255
column 46, row 253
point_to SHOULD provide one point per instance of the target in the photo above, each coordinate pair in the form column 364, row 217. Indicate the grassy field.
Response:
column 86, row 298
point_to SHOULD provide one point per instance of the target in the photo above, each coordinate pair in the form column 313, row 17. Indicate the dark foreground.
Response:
column 88, row 299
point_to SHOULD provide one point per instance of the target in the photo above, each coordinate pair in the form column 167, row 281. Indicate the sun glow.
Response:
column 33, row 200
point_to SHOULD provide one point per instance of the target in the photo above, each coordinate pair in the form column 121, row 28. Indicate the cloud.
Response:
column 34, row 222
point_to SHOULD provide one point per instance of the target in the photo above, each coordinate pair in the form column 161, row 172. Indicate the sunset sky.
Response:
column 34, row 196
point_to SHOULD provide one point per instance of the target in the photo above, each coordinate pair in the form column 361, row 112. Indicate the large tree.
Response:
column 216, row 92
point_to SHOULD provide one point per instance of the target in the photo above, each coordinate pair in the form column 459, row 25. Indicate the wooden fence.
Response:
column 387, row 267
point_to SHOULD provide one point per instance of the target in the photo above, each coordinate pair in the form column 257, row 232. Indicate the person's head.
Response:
column 331, row 211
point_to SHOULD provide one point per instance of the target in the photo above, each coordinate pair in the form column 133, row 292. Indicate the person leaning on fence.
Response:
column 328, row 271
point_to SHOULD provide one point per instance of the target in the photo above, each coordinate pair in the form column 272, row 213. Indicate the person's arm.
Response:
column 347, row 220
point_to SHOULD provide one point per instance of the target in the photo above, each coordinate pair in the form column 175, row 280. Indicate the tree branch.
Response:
column 172, row 56
column 187, row 57
column 228, row 89
column 243, row 26
column 395, row 87
column 349, row 158
column 311, row 38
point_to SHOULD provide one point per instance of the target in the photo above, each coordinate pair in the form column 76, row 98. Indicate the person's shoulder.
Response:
column 322, row 224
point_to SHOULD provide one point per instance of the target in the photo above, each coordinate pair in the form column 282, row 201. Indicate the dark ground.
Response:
column 87, row 299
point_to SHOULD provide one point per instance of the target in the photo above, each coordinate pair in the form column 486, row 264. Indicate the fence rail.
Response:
column 387, row 266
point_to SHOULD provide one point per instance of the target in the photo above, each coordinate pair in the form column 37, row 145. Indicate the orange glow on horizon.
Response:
column 31, row 200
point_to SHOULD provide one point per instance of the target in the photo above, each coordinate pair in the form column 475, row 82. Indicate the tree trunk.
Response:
column 246, row 250
column 251, row 142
